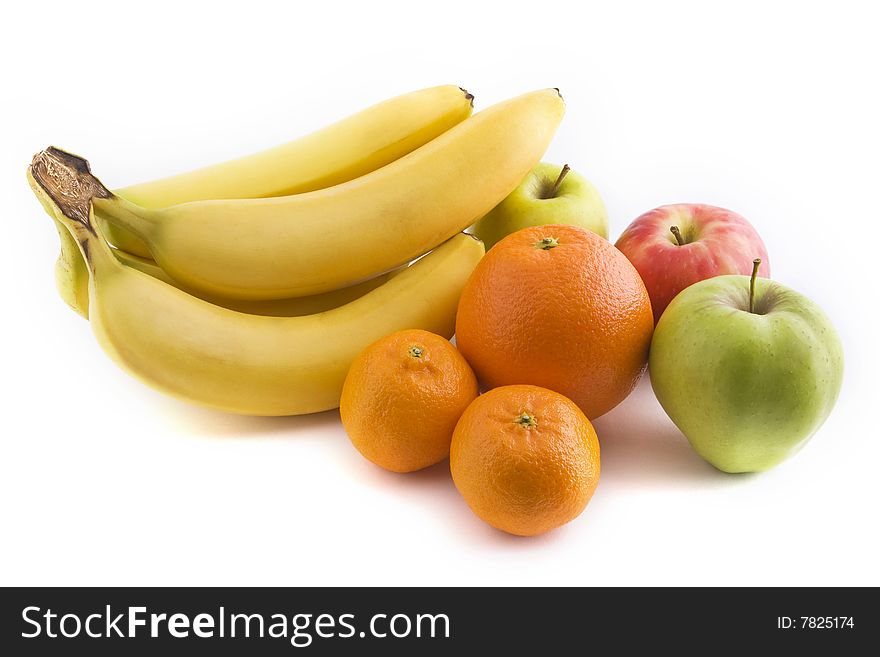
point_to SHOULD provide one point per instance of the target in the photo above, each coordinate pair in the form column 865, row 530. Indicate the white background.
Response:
column 768, row 108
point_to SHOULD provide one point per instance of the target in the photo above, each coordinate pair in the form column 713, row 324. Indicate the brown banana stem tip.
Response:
column 69, row 182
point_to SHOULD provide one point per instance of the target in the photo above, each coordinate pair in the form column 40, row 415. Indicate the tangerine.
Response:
column 402, row 398
column 525, row 459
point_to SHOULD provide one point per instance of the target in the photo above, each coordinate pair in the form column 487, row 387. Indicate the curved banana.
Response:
column 72, row 282
column 326, row 239
column 340, row 152
column 242, row 363
column 336, row 154
column 71, row 273
column 292, row 307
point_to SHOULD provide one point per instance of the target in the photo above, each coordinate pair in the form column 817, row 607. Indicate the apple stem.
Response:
column 756, row 263
column 678, row 236
column 559, row 179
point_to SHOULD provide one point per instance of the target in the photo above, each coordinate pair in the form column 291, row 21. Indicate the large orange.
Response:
column 402, row 397
column 525, row 459
column 559, row 307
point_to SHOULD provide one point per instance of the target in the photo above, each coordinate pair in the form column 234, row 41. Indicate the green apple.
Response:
column 748, row 370
column 549, row 194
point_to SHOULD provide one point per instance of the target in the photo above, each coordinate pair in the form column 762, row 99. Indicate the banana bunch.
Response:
column 340, row 152
column 251, row 286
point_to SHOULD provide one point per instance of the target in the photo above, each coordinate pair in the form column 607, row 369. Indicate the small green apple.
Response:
column 549, row 194
column 748, row 369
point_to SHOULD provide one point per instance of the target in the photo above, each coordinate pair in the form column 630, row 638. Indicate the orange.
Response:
column 402, row 398
column 525, row 459
column 559, row 307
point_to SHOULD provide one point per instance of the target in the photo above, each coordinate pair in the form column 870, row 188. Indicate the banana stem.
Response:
column 124, row 214
column 67, row 181
column 66, row 187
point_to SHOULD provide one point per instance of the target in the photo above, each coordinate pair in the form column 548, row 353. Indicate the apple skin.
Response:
column 748, row 390
column 719, row 242
column 576, row 202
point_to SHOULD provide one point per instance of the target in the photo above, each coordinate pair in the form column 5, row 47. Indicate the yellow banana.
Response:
column 72, row 281
column 293, row 307
column 338, row 153
column 71, row 273
column 326, row 239
column 233, row 361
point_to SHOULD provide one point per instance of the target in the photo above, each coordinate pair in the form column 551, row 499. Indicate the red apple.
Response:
column 675, row 246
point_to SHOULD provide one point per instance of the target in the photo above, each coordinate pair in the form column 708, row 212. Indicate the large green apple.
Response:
column 748, row 377
column 549, row 194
